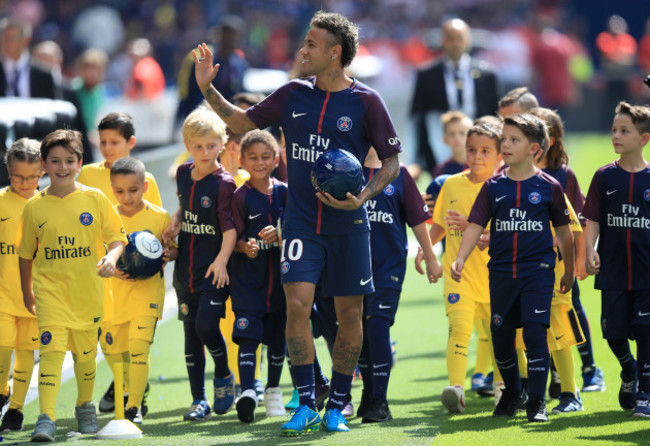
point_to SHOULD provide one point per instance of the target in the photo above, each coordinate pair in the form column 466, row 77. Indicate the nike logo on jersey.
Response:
column 215, row 303
column 643, row 314
column 34, row 339
column 364, row 282
column 384, row 307
column 452, row 201
column 89, row 351
column 539, row 311
column 141, row 328
column 3, row 219
column 500, row 198
column 297, row 115
column 376, row 366
column 253, row 217
column 610, row 192
column 41, row 225
column 557, row 338
column 135, row 355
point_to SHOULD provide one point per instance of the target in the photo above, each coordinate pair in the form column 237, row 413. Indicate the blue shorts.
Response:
column 212, row 301
column 382, row 303
column 622, row 309
column 514, row 302
column 267, row 328
column 341, row 263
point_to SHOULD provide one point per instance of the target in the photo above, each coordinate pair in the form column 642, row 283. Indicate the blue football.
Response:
column 436, row 185
column 337, row 172
column 143, row 255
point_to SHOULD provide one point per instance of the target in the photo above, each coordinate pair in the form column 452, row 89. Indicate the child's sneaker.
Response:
column 487, row 389
column 366, row 402
column 303, row 420
column 4, row 399
column 224, row 394
column 144, row 408
column 273, row 402
column 509, row 404
column 44, row 430
column 12, row 421
column 321, row 392
column 627, row 392
column 569, row 403
column 498, row 392
column 642, row 408
column 593, row 379
column 133, row 414
column 453, row 398
column 259, row 390
column 378, row 412
column 246, row 405
column 478, row 379
column 536, row 410
column 199, row 411
column 294, row 402
column 86, row 416
column 334, row 421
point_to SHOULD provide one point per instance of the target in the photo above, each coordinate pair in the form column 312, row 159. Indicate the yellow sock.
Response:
column 226, row 325
column 566, row 369
column 104, row 346
column 259, row 362
column 85, row 374
column 483, row 357
column 49, row 381
column 5, row 367
column 23, row 368
column 139, row 351
column 460, row 332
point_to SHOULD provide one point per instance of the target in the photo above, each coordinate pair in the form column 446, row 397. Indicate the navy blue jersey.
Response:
column 620, row 202
column 567, row 179
column 521, row 241
column 314, row 121
column 399, row 204
column 255, row 283
column 205, row 215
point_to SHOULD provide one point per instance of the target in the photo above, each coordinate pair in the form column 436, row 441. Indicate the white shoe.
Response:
column 453, row 398
column 498, row 391
column 273, row 402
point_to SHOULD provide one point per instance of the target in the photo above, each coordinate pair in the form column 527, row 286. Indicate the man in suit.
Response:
column 454, row 82
column 19, row 77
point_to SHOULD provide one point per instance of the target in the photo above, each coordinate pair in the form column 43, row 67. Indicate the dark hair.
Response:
column 128, row 166
column 533, row 128
column 640, row 115
column 70, row 140
column 23, row 150
column 344, row 33
column 520, row 96
column 557, row 154
column 259, row 136
column 120, row 121
column 488, row 131
column 491, row 120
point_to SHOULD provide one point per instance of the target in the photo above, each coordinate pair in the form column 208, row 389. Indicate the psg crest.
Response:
column 86, row 218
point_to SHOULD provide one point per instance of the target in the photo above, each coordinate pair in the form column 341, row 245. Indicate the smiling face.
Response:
column 482, row 156
column 114, row 145
column 24, row 177
column 317, row 52
column 626, row 138
column 62, row 166
column 259, row 160
column 516, row 149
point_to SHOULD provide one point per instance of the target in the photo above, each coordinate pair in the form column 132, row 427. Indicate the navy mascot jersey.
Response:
column 567, row 179
column 400, row 203
column 255, row 283
column 205, row 215
column 620, row 202
column 313, row 122
column 521, row 242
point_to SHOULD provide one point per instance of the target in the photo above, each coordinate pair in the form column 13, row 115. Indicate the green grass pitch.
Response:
column 416, row 382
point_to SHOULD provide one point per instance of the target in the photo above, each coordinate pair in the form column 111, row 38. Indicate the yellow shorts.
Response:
column 460, row 302
column 565, row 330
column 117, row 336
column 18, row 332
column 82, row 343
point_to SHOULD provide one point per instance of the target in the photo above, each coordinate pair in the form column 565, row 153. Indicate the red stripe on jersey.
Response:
column 319, row 216
column 322, row 112
column 191, row 241
column 372, row 172
column 514, row 239
column 628, row 242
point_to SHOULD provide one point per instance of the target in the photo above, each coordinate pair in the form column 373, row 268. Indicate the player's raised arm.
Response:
column 236, row 118
column 470, row 238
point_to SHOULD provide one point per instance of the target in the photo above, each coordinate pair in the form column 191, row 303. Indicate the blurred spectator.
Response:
column 644, row 50
column 19, row 76
column 89, row 85
column 232, row 66
column 146, row 80
column 455, row 82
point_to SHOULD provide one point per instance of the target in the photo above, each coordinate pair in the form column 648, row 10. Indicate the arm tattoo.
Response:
column 223, row 108
column 384, row 176
column 345, row 356
column 297, row 347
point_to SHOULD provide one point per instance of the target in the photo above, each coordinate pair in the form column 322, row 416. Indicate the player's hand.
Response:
column 170, row 253
column 251, row 249
column 484, row 240
column 119, row 274
column 456, row 269
column 566, row 283
column 580, row 269
column 269, row 234
column 220, row 276
column 456, row 220
column 350, row 203
column 428, row 200
column 105, row 267
column 419, row 257
column 593, row 263
column 204, row 70
column 30, row 303
column 434, row 270
column 172, row 230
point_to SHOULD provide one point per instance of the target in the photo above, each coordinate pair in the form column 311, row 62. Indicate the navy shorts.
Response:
column 341, row 263
column 514, row 302
column 211, row 300
column 622, row 309
column 267, row 328
column 382, row 303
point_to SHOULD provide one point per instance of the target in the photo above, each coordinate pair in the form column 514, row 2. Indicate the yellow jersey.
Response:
column 576, row 228
column 66, row 237
column 11, row 211
column 458, row 193
column 142, row 297
column 241, row 177
column 99, row 176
